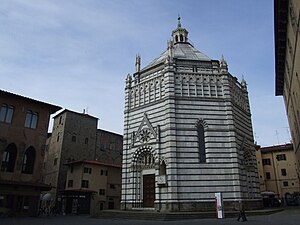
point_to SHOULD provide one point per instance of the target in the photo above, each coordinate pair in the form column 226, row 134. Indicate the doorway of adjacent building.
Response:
column 148, row 190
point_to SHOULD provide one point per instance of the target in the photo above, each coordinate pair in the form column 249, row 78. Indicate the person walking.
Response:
column 242, row 214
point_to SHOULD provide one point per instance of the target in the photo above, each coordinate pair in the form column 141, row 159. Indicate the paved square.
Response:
column 290, row 216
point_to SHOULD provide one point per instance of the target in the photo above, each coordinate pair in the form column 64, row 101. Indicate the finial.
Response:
column 170, row 51
column 223, row 65
column 137, row 63
column 128, row 80
column 128, row 77
column 243, row 83
column 179, row 24
column 223, row 61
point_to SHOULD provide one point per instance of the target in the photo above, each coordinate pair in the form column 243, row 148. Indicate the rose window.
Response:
column 145, row 135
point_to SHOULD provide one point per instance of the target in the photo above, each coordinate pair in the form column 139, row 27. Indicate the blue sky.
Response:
column 76, row 54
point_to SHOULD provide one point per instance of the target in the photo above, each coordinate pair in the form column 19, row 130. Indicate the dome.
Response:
column 182, row 49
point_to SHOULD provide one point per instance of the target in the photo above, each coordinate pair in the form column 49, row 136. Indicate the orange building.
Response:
column 23, row 132
column 91, row 186
column 277, row 169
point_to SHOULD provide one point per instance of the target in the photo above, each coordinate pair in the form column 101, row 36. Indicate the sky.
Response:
column 77, row 53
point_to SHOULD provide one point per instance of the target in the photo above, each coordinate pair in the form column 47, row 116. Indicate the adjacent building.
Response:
column 23, row 133
column 75, row 137
column 187, row 133
column 277, row 169
column 287, row 64
column 91, row 186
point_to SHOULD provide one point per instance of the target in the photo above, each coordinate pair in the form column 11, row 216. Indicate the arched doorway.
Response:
column 144, row 162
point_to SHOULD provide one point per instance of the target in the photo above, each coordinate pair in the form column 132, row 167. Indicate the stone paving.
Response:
column 290, row 216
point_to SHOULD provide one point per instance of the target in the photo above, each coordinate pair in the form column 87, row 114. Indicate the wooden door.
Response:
column 148, row 190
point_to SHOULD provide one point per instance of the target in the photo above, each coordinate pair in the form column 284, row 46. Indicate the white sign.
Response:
column 219, row 206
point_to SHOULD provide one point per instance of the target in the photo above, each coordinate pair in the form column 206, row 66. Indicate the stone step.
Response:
column 169, row 216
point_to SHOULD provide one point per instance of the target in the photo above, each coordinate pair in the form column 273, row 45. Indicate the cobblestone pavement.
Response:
column 290, row 216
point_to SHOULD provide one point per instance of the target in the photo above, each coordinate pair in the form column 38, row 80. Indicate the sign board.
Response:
column 219, row 206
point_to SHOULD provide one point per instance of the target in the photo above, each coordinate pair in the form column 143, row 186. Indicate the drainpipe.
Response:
column 275, row 173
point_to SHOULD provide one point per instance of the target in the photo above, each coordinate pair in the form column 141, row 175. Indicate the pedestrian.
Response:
column 242, row 214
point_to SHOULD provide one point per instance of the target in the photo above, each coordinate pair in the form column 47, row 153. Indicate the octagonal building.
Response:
column 187, row 134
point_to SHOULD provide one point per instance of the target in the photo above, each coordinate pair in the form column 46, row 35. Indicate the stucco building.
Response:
column 287, row 63
column 23, row 133
column 187, row 133
column 93, row 185
column 75, row 137
column 277, row 169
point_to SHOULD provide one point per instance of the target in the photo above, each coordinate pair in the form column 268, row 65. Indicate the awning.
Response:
column 47, row 197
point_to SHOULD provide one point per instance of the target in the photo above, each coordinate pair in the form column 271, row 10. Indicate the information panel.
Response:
column 219, row 206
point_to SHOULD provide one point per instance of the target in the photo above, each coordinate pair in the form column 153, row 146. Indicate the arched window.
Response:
column 9, row 158
column 162, row 168
column 201, row 142
column 176, row 39
column 28, row 161
column 181, row 38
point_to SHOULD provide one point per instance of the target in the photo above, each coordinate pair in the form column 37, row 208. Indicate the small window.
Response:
column 85, row 183
column 102, row 147
column 6, row 113
column 101, row 191
column 31, row 119
column 70, row 183
column 266, row 162
column 104, row 172
column 60, row 120
column 74, row 138
column 281, row 157
column 87, row 170
column 86, row 141
column 112, row 186
column 268, row 175
column 285, row 183
column 181, row 37
column 55, row 161
column 283, row 172
column 162, row 168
